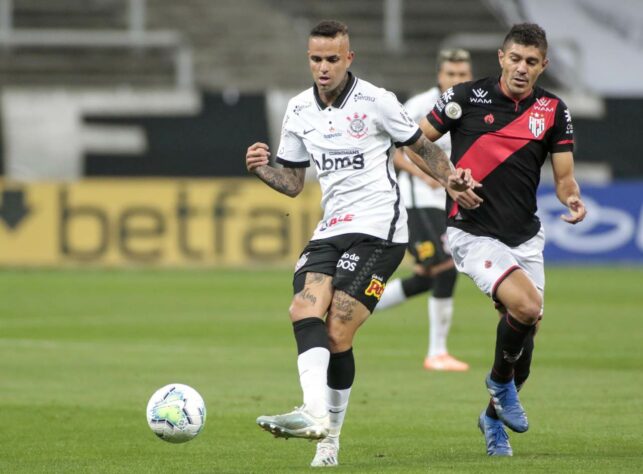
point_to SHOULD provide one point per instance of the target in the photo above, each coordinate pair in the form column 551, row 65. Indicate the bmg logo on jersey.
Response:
column 348, row 261
column 333, row 163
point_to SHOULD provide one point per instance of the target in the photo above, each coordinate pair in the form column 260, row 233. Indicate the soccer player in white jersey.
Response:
column 344, row 126
column 425, row 200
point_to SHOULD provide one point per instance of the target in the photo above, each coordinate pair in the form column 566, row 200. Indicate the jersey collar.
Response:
column 516, row 102
column 340, row 101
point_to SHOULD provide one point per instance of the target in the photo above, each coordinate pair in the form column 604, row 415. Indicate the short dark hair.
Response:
column 527, row 34
column 329, row 29
column 452, row 55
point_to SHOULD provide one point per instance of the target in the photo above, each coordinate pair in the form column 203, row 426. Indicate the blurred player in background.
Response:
column 344, row 125
column 424, row 199
column 504, row 129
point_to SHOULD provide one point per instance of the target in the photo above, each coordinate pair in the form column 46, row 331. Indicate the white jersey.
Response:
column 349, row 143
column 415, row 192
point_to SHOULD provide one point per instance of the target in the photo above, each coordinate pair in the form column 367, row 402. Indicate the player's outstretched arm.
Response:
column 401, row 163
column 432, row 160
column 567, row 188
column 288, row 181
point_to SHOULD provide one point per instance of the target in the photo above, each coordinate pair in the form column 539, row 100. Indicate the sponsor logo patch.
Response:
column 542, row 105
column 333, row 163
column 446, row 96
column 334, row 221
column 453, row 110
column 332, row 135
column 480, row 97
column 348, row 261
column 406, row 117
column 425, row 249
column 299, row 107
column 375, row 288
column 360, row 96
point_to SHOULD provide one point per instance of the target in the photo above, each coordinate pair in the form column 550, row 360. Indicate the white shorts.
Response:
column 487, row 261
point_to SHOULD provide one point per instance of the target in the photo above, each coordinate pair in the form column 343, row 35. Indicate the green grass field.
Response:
column 82, row 351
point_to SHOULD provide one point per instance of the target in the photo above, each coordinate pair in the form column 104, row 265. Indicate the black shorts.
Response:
column 427, row 236
column 360, row 264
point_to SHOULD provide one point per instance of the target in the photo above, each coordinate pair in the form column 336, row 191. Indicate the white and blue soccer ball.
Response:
column 176, row 413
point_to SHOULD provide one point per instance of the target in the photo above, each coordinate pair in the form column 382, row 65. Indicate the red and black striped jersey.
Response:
column 505, row 143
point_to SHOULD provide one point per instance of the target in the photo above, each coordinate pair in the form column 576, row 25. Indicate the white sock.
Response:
column 337, row 403
column 440, row 315
column 392, row 296
column 313, row 367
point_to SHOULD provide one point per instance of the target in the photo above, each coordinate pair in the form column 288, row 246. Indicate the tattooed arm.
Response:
column 288, row 181
column 423, row 155
column 431, row 159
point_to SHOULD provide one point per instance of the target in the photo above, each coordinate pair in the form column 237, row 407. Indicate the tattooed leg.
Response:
column 345, row 316
column 314, row 299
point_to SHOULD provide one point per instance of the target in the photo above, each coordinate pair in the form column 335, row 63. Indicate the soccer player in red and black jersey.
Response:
column 503, row 129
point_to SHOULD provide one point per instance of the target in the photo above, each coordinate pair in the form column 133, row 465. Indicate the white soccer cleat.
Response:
column 327, row 452
column 296, row 424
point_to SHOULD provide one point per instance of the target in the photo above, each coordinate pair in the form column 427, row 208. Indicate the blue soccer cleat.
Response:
column 504, row 397
column 495, row 435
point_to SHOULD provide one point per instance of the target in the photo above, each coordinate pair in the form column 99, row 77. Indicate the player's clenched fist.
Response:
column 257, row 155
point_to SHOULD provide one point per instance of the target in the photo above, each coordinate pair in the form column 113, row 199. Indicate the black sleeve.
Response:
column 448, row 109
column 562, row 136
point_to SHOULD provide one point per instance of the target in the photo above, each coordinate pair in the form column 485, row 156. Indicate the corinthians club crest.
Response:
column 357, row 127
column 536, row 123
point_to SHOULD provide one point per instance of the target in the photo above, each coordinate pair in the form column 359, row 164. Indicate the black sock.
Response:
column 521, row 368
column 341, row 370
column 523, row 364
column 510, row 339
column 491, row 411
column 309, row 333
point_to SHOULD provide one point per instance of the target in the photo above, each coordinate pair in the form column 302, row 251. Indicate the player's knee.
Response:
column 416, row 284
column 340, row 338
column 528, row 310
column 293, row 311
column 444, row 283
column 298, row 310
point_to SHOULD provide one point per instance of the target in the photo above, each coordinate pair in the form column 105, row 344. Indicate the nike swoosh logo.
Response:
column 336, row 412
column 306, row 132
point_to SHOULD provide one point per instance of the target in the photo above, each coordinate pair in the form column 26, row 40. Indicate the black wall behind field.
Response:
column 616, row 139
column 212, row 143
column 1, row 147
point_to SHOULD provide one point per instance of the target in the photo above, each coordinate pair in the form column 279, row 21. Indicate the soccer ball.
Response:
column 176, row 413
